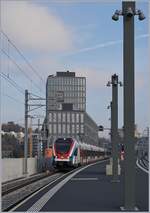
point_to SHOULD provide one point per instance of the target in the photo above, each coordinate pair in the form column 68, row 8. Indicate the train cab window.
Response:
column 76, row 152
column 63, row 145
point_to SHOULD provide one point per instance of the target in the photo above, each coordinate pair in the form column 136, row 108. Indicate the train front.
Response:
column 62, row 149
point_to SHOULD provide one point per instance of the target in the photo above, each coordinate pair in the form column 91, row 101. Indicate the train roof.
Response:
column 86, row 146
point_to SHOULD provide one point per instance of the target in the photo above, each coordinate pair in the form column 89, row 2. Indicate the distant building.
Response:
column 7, row 153
column 15, row 134
column 20, row 136
column 35, row 142
column 36, row 145
column 66, row 109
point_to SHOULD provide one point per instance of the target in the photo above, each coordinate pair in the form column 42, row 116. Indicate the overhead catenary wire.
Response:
column 12, row 98
column 12, row 82
column 21, row 54
column 32, row 95
column 21, row 70
column 13, row 59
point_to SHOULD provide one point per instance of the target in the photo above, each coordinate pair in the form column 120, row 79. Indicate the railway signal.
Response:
column 101, row 128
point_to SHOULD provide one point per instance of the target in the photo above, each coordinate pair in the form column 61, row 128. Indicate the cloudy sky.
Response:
column 78, row 36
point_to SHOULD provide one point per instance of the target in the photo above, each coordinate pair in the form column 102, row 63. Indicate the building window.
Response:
column 64, row 117
column 78, row 81
column 77, row 128
column 76, row 106
column 68, row 117
column 54, row 128
column 84, row 82
column 73, row 81
column 82, row 128
column 50, row 128
column 59, row 128
column 73, row 128
column 50, row 117
column 68, row 128
column 77, row 117
column 64, row 128
column 82, row 117
column 54, row 117
column 73, row 117
column 59, row 117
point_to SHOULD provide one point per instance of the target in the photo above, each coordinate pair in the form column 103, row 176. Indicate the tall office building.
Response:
column 66, row 109
column 66, row 92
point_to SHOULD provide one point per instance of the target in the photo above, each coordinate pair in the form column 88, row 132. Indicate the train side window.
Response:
column 76, row 152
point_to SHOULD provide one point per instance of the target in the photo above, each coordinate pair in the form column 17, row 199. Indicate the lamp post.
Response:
column 25, row 168
column 110, row 107
column 114, row 125
column 128, row 12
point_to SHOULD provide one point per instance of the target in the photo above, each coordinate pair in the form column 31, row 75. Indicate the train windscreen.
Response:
column 63, row 145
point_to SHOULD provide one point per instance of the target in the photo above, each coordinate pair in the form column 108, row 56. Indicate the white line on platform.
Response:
column 137, row 163
column 84, row 179
column 13, row 209
column 46, row 197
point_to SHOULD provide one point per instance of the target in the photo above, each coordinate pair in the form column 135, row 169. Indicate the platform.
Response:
column 88, row 190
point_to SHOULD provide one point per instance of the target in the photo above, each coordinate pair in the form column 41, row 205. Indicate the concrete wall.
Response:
column 12, row 168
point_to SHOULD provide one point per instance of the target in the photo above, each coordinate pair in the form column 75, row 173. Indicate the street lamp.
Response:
column 115, row 16
column 128, row 12
column 114, row 124
column 110, row 133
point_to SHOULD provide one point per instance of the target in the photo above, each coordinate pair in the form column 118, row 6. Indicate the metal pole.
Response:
column 129, row 117
column 38, row 148
column 30, row 138
column 26, row 133
column 111, row 127
column 39, row 142
column 111, row 120
column 114, row 118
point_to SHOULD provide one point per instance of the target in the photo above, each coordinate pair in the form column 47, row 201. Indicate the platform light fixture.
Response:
column 116, row 15
column 108, row 84
column 141, row 15
column 120, row 83
column 129, row 13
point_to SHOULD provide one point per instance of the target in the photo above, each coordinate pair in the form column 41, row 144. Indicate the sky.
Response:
column 78, row 36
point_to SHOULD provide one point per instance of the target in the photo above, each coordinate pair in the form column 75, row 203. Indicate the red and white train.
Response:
column 68, row 152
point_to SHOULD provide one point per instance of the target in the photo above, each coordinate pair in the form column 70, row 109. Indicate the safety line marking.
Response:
column 36, row 192
column 137, row 163
column 84, row 179
column 45, row 198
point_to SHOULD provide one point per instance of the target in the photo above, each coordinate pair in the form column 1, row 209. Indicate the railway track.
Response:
column 14, row 185
column 54, row 184
column 13, row 195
